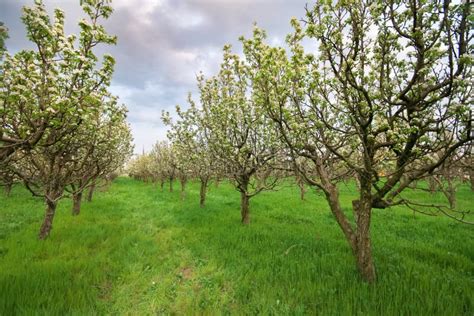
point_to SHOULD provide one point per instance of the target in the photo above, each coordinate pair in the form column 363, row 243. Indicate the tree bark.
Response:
column 244, row 208
column 47, row 225
column 91, row 192
column 358, row 239
column 162, row 185
column 363, row 248
column 202, row 192
column 332, row 196
column 76, row 203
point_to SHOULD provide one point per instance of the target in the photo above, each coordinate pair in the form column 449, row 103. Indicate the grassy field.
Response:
column 135, row 250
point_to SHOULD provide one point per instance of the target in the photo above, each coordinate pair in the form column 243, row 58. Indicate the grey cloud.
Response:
column 163, row 44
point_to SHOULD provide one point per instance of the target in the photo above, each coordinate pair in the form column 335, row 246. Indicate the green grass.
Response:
column 135, row 250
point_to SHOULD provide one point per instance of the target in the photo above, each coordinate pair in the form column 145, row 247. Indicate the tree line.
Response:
column 385, row 99
column 61, row 130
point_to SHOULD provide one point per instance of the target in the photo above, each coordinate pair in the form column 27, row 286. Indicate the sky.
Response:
column 162, row 46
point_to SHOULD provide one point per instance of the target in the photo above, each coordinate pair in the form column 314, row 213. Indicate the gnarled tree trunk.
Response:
column 76, row 203
column 47, row 225
column 363, row 249
column 359, row 238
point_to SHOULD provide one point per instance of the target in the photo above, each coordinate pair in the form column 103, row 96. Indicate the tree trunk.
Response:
column 47, row 225
column 76, row 203
column 244, row 208
column 452, row 200
column 302, row 190
column 162, row 185
column 202, row 192
column 447, row 186
column 363, row 249
column 358, row 239
column 8, row 188
column 451, row 194
column 91, row 192
column 183, row 189
column 171, row 184
column 332, row 196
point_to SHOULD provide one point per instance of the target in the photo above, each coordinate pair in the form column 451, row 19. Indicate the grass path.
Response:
column 135, row 250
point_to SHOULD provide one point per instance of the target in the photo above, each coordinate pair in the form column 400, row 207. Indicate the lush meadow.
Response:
column 136, row 250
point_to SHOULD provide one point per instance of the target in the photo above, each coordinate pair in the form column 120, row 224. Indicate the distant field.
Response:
column 135, row 250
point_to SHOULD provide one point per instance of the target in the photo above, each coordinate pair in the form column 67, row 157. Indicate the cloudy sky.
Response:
column 163, row 44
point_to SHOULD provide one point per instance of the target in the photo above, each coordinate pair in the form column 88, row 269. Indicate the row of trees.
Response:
column 61, row 131
column 167, row 162
column 386, row 99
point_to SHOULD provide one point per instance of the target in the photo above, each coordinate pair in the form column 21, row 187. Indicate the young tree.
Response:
column 388, row 88
column 239, row 135
column 189, row 140
column 450, row 175
column 105, row 148
column 141, row 168
column 164, row 163
column 48, row 96
column 97, row 148
column 184, row 167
